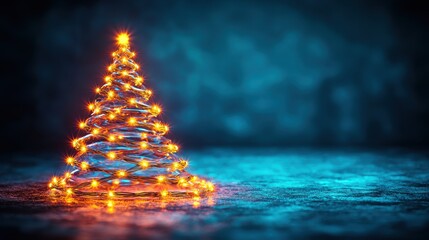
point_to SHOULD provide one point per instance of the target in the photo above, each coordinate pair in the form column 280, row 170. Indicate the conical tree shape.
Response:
column 124, row 152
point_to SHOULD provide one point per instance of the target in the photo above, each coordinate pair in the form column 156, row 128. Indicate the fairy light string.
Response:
column 124, row 153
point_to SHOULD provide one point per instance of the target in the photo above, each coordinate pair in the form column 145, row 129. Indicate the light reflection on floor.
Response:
column 261, row 194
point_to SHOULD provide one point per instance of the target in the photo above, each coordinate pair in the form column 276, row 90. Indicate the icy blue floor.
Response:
column 275, row 194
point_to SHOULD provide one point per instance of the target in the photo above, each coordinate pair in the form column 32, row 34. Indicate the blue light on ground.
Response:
column 261, row 193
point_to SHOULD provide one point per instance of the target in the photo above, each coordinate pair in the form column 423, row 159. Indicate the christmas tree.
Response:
column 124, row 152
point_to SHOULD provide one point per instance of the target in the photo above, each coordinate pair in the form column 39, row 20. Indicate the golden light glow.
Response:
column 124, row 60
column 70, row 160
column 144, row 164
column 132, row 101
column 124, row 73
column 127, row 86
column 111, row 155
column 144, row 145
column 123, row 39
column 107, row 78
column 110, row 203
column 69, row 191
column 91, row 106
column 112, row 138
column 84, row 166
column 172, row 148
column 75, row 142
column 97, row 110
column 116, row 181
column 110, row 194
column 155, row 110
column 98, row 90
column 82, row 125
column 175, row 166
column 111, row 94
column 121, row 173
column 164, row 193
column 160, row 178
column 110, row 68
column 111, row 116
column 143, row 135
column 210, row 186
column 94, row 183
column 83, row 149
column 67, row 175
column 132, row 121
column 55, row 180
column 95, row 131
column 139, row 81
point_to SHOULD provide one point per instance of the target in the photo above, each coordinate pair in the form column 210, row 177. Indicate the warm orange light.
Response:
column 137, row 66
column 75, row 142
column 111, row 155
column 123, row 39
column 160, row 178
column 110, row 194
column 107, row 78
column 132, row 121
column 127, row 86
column 95, row 131
column 112, row 138
column 144, row 164
column 121, row 173
column 111, row 94
column 91, row 106
column 69, row 191
column 139, row 80
column 94, row 183
column 155, row 110
column 164, row 193
column 98, row 90
column 160, row 127
column 124, row 73
column 175, row 166
column 210, row 186
column 132, row 101
column 67, row 175
column 144, row 145
column 97, row 110
column 184, row 163
column 144, row 135
column 83, row 149
column 84, row 166
column 172, row 148
column 116, row 181
column 110, row 68
column 69, row 160
column 55, row 180
column 111, row 116
column 124, row 59
column 110, row 203
column 82, row 125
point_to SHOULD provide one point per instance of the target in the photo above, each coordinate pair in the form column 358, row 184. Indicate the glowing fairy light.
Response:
column 123, row 39
column 123, row 129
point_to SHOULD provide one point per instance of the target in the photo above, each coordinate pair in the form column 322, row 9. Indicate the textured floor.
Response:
column 274, row 194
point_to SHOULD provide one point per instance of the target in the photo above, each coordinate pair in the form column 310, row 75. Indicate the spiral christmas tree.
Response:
column 125, row 152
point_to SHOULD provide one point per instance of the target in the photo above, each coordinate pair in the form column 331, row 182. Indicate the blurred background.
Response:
column 227, row 73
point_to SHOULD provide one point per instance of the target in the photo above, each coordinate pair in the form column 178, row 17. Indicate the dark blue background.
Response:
column 228, row 73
